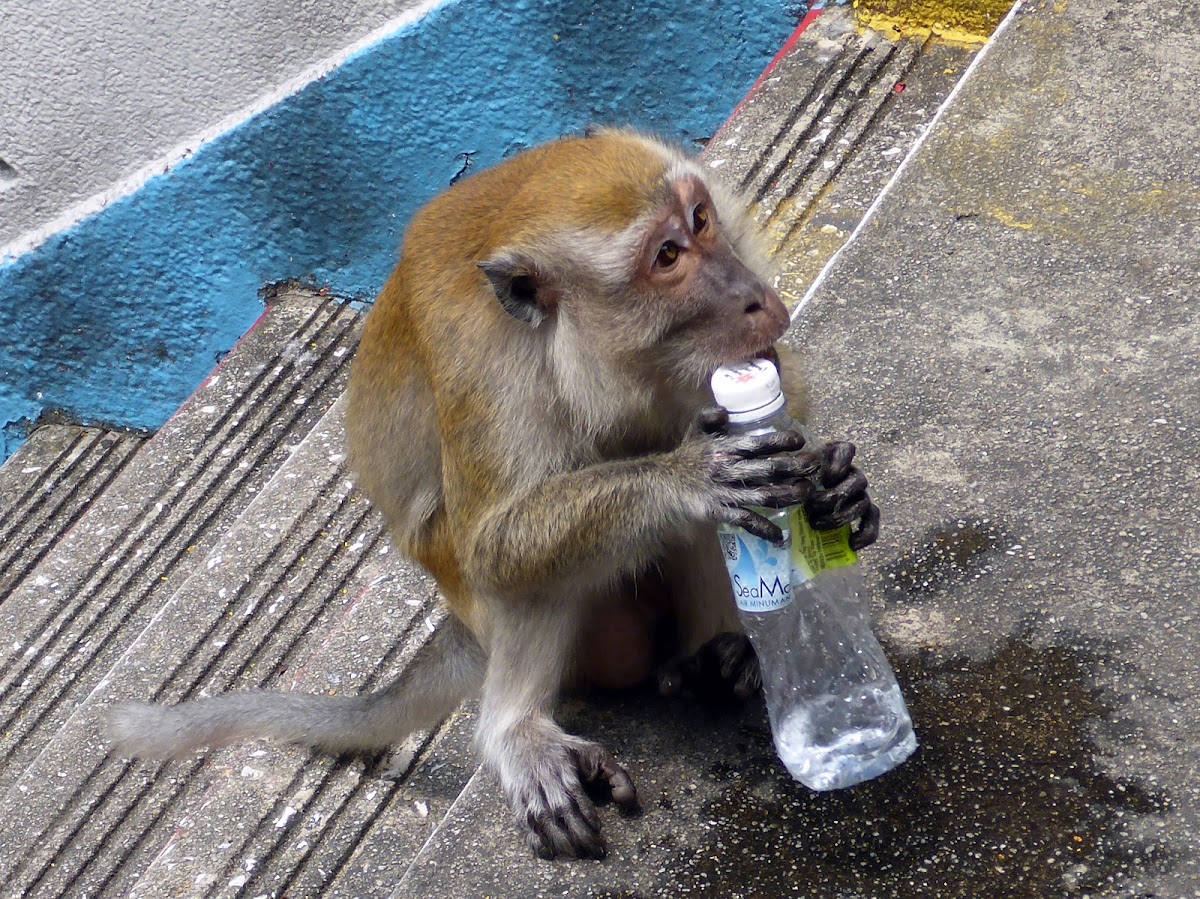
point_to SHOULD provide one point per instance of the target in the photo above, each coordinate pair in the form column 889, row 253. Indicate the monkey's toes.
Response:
column 568, row 832
column 724, row 668
column 599, row 768
column 552, row 805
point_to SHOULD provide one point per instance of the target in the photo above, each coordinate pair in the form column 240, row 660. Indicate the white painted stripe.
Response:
column 819, row 281
column 34, row 238
column 428, row 847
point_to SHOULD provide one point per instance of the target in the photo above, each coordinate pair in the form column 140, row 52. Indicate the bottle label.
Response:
column 816, row 551
column 759, row 569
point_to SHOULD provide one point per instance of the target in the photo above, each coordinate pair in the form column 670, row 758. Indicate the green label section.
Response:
column 816, row 551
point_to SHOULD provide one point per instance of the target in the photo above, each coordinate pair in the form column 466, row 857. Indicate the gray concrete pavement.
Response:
column 1013, row 342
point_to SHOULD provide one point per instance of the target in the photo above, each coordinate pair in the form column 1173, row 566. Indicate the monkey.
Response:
column 530, row 410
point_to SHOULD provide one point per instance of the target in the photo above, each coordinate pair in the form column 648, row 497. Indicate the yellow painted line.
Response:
column 968, row 22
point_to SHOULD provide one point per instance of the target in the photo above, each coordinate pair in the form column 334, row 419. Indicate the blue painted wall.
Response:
column 119, row 319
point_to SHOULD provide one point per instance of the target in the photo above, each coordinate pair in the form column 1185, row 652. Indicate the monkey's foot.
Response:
column 552, row 803
column 723, row 668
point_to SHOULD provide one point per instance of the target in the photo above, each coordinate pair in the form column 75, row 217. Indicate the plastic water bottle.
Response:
column 837, row 715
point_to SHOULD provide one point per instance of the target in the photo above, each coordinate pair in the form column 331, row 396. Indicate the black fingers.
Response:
column 863, row 511
column 712, row 420
column 767, row 460
column 758, row 445
column 844, row 500
column 750, row 521
column 832, row 502
column 781, row 496
column 868, row 528
column 802, row 465
column 837, row 459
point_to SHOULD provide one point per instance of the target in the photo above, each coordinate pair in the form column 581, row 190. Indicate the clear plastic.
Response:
column 837, row 714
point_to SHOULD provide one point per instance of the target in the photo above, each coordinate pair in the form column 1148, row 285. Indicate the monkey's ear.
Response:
column 520, row 286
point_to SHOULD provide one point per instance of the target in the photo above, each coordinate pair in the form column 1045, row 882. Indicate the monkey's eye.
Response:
column 699, row 218
column 668, row 253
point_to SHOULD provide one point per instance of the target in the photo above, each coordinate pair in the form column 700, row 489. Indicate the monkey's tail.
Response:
column 447, row 670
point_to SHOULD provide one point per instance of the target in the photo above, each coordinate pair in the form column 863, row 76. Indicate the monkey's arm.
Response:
column 616, row 517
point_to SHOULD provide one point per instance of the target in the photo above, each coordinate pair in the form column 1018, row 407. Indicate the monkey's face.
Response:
column 619, row 253
column 704, row 305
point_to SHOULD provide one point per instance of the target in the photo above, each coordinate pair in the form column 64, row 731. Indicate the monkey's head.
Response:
column 624, row 249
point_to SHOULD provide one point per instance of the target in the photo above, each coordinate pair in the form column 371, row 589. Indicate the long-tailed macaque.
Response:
column 526, row 411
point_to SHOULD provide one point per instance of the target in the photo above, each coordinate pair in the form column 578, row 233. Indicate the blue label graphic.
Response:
column 759, row 569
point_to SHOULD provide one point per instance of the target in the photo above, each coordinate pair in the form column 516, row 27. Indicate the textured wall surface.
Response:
column 91, row 91
column 120, row 317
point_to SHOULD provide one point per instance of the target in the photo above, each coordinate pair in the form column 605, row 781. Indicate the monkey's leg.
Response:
column 716, row 660
column 543, row 770
column 447, row 670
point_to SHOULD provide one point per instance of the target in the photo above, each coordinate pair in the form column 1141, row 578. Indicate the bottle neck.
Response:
column 779, row 420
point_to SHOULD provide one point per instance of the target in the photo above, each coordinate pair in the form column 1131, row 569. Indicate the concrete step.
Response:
column 827, row 129
column 302, row 592
column 849, row 79
column 71, row 617
column 47, row 485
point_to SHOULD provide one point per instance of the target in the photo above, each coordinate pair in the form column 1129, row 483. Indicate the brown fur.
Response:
column 521, row 411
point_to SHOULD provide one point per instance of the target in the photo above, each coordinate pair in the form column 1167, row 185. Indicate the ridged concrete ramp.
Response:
column 232, row 551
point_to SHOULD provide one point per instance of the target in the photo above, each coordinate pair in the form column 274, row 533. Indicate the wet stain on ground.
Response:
column 1005, row 797
column 949, row 555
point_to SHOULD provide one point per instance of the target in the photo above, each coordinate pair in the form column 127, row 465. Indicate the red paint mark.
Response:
column 343, row 624
column 808, row 19
column 194, row 398
column 900, row 86
column 258, row 321
column 814, row 11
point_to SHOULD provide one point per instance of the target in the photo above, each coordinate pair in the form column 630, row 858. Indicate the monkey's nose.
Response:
column 768, row 306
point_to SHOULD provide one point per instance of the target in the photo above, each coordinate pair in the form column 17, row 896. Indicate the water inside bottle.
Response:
column 842, row 749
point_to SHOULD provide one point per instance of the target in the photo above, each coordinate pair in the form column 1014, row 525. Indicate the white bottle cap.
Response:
column 748, row 390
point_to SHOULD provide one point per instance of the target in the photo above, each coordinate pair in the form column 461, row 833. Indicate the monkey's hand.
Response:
column 835, row 493
column 551, row 797
column 740, row 471
column 841, row 499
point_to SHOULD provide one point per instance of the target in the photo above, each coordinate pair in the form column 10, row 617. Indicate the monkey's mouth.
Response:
column 770, row 354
